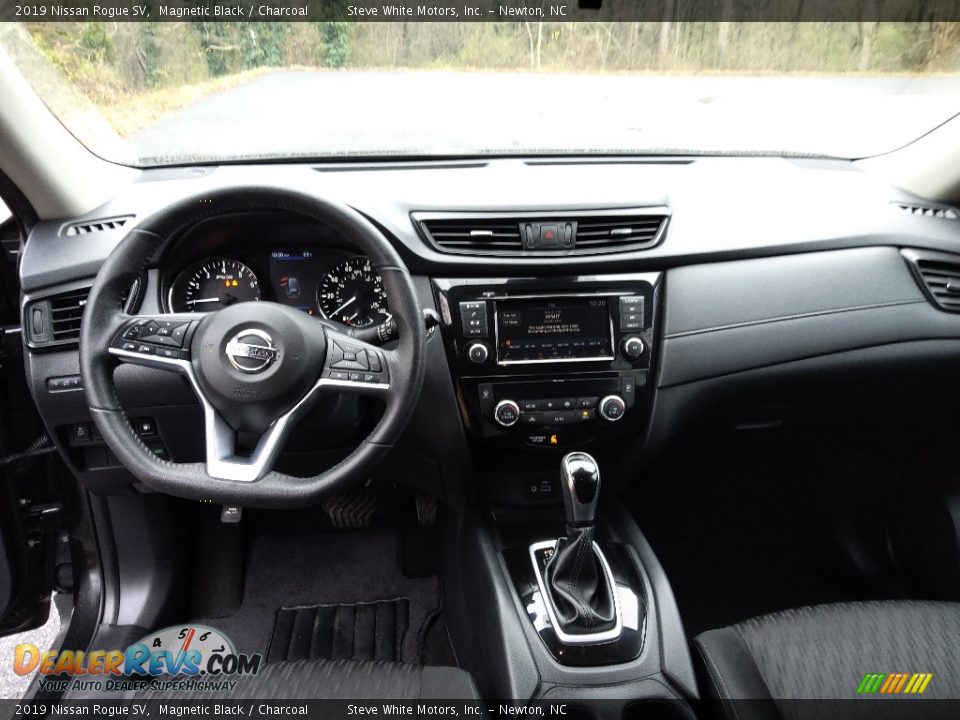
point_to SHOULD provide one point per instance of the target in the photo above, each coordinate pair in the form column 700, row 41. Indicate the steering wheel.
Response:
column 256, row 367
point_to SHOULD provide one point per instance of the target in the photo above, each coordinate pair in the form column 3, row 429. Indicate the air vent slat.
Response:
column 95, row 226
column 933, row 211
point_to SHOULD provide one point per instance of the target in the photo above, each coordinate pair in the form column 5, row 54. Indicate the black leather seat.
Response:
column 340, row 680
column 775, row 664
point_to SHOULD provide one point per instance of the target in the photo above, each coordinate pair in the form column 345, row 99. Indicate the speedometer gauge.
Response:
column 352, row 293
column 213, row 284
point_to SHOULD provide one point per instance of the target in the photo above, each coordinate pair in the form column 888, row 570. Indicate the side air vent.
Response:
column 619, row 233
column 55, row 320
column 939, row 275
column 549, row 234
column 475, row 236
column 934, row 211
column 95, row 226
column 66, row 311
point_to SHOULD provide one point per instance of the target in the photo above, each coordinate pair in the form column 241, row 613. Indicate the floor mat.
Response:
column 287, row 571
column 357, row 631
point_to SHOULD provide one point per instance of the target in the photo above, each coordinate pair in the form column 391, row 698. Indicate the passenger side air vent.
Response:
column 548, row 234
column 475, row 236
column 939, row 275
column 95, row 226
column 934, row 211
column 610, row 234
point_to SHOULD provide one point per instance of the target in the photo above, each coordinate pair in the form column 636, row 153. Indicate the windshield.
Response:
column 186, row 92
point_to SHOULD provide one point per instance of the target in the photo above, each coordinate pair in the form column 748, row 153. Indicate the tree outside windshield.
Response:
column 177, row 92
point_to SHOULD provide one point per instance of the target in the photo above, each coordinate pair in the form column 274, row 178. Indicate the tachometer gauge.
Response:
column 213, row 284
column 352, row 293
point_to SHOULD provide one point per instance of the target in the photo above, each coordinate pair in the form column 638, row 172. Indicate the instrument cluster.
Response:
column 335, row 285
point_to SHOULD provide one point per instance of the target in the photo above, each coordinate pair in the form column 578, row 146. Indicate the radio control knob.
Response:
column 478, row 353
column 612, row 408
column 632, row 347
column 506, row 413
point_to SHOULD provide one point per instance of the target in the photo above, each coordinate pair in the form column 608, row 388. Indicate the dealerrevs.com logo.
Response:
column 181, row 657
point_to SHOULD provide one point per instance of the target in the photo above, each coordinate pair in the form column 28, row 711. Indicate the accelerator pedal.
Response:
column 426, row 509
column 352, row 509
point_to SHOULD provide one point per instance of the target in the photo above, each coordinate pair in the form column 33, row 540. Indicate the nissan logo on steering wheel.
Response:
column 251, row 351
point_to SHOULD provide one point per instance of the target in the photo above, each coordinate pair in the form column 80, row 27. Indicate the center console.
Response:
column 550, row 364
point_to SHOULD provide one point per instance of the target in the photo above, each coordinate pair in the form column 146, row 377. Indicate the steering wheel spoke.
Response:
column 160, row 341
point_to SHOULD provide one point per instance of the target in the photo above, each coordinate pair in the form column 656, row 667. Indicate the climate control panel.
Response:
column 557, row 362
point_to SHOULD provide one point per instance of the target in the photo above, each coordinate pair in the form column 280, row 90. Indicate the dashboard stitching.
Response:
column 795, row 316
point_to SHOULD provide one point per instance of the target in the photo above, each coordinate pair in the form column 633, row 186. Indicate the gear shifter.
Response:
column 576, row 578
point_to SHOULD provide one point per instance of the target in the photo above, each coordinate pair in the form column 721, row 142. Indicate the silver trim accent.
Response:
column 629, row 339
column 499, row 405
column 482, row 346
column 220, row 438
column 589, row 638
column 577, row 511
column 266, row 354
column 612, row 397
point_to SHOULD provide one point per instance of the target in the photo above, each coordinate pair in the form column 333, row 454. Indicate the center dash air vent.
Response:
column 619, row 233
column 95, row 226
column 554, row 234
column 939, row 274
column 476, row 236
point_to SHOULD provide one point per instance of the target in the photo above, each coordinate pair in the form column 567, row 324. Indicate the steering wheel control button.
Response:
column 612, row 408
column 506, row 413
column 348, row 357
column 374, row 360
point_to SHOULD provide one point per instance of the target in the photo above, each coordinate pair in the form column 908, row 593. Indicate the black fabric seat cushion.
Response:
column 341, row 680
column 823, row 652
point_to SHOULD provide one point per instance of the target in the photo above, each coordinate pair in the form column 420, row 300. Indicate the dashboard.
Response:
column 767, row 266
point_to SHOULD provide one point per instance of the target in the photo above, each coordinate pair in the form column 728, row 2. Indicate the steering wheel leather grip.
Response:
column 227, row 478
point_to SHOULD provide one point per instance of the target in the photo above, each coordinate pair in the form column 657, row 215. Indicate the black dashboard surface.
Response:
column 722, row 208
column 766, row 261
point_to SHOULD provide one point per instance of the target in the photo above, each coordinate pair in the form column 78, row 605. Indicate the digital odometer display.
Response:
column 553, row 330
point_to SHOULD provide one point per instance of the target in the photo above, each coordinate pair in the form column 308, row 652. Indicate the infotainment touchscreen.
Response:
column 553, row 330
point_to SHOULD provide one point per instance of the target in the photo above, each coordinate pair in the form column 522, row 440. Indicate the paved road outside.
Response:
column 13, row 686
column 296, row 113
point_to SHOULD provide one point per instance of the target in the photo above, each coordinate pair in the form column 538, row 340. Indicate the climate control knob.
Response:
column 632, row 347
column 506, row 413
column 612, row 408
column 478, row 353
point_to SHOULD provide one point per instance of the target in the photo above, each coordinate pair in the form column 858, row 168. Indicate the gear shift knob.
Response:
column 580, row 485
